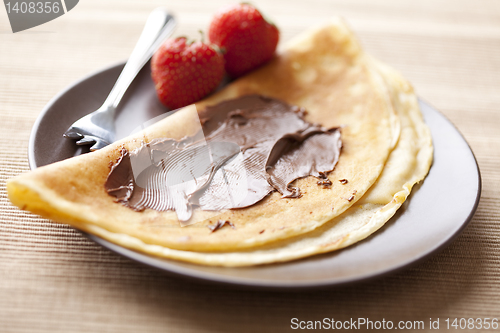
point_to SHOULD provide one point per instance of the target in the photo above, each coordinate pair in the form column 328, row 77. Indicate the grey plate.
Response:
column 436, row 212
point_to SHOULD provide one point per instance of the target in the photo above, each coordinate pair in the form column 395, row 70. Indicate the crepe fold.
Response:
column 408, row 164
column 323, row 70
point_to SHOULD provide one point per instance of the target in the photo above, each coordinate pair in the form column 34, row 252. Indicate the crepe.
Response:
column 325, row 71
column 407, row 165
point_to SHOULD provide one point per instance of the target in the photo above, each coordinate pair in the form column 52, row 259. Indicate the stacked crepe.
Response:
column 386, row 150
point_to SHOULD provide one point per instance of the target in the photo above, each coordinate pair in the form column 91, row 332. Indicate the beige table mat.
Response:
column 52, row 279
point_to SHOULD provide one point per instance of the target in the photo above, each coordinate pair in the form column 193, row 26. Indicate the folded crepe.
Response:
column 408, row 164
column 325, row 71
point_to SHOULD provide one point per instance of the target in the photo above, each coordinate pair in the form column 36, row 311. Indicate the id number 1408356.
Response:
column 32, row 7
column 472, row 323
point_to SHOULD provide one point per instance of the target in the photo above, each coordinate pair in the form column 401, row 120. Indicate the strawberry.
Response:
column 185, row 72
column 245, row 37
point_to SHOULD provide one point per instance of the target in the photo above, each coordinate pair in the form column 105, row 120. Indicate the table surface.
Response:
column 52, row 279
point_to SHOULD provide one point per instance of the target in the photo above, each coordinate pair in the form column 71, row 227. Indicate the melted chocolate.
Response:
column 252, row 146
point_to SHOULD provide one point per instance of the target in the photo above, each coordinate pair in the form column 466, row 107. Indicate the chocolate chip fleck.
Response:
column 325, row 183
column 219, row 225
column 343, row 181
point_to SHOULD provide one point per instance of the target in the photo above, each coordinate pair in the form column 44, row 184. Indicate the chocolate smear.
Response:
column 250, row 146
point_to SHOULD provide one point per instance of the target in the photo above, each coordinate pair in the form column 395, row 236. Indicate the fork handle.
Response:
column 159, row 26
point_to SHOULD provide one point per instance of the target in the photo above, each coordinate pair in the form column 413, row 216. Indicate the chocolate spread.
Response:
column 250, row 146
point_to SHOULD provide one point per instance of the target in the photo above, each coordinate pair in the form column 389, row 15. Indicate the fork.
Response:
column 98, row 127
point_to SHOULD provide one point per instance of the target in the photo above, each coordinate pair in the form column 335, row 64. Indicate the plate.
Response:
column 436, row 212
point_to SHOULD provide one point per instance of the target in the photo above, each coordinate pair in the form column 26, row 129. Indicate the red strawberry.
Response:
column 247, row 38
column 185, row 72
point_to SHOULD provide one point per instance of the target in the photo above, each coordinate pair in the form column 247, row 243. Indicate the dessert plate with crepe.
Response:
column 390, row 139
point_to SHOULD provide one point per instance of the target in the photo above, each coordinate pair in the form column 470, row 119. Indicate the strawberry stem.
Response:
column 202, row 36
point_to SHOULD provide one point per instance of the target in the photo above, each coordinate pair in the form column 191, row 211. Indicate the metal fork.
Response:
column 98, row 128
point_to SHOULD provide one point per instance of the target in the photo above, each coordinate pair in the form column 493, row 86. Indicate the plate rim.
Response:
column 221, row 279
